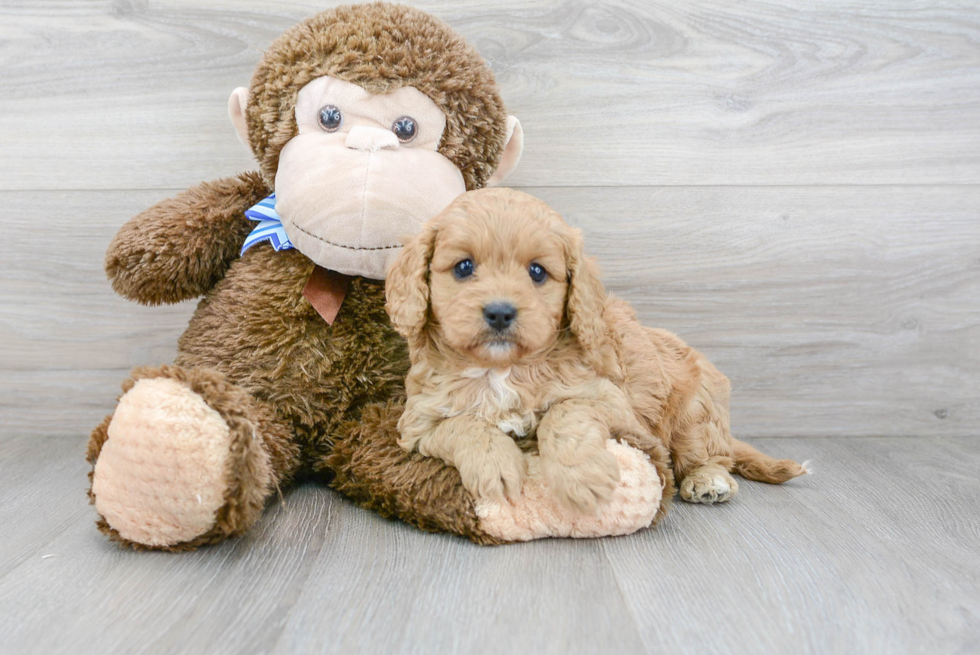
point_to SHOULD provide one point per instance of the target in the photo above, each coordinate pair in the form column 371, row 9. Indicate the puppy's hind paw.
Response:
column 708, row 485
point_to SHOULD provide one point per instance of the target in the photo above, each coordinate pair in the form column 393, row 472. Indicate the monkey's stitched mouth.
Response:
column 340, row 245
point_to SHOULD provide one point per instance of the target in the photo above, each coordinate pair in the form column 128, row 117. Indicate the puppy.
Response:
column 511, row 335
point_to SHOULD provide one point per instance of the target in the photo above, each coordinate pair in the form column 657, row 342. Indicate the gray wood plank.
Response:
column 835, row 311
column 133, row 94
column 444, row 595
column 80, row 593
column 29, row 476
column 875, row 553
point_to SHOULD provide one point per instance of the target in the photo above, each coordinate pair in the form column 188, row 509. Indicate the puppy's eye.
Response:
column 463, row 269
column 537, row 273
column 330, row 118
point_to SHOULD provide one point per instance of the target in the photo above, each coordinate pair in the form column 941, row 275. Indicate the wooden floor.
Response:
column 876, row 553
column 792, row 187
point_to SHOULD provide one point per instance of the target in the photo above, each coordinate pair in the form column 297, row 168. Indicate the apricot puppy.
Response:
column 511, row 335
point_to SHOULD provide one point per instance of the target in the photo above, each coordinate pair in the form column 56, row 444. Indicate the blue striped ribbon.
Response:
column 270, row 226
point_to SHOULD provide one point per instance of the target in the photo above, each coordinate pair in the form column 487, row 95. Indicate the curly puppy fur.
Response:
column 328, row 396
column 573, row 368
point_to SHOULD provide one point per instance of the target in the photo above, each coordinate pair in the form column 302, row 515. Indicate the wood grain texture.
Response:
column 835, row 311
column 855, row 559
column 875, row 553
column 132, row 94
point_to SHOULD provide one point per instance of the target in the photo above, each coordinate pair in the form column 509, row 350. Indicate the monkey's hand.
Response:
column 180, row 247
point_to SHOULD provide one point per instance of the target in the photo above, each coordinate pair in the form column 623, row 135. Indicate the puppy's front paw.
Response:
column 585, row 485
column 493, row 471
column 708, row 485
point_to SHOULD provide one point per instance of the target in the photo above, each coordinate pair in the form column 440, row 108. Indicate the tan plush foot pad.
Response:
column 160, row 478
column 535, row 515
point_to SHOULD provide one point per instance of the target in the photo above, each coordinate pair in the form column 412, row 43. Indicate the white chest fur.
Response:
column 497, row 401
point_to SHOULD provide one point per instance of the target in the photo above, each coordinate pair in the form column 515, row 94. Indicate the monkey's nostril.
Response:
column 499, row 315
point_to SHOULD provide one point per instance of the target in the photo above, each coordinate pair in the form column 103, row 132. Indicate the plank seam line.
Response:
column 622, row 597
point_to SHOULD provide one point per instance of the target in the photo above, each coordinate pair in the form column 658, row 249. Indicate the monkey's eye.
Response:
column 405, row 128
column 330, row 118
column 463, row 269
column 537, row 273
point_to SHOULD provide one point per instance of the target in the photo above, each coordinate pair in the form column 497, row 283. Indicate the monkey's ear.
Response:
column 236, row 111
column 513, row 148
column 407, row 288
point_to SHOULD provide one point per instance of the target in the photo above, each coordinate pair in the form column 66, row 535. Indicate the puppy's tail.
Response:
column 753, row 465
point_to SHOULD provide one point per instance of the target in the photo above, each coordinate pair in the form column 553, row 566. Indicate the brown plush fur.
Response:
column 179, row 248
column 575, row 365
column 324, row 399
column 323, row 389
column 420, row 490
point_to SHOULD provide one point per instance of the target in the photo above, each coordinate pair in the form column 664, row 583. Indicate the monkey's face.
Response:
column 369, row 119
column 362, row 173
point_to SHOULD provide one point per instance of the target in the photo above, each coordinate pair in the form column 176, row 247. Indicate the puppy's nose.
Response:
column 499, row 315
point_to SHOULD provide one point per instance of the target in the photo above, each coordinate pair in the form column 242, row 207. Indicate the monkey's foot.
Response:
column 536, row 514
column 171, row 473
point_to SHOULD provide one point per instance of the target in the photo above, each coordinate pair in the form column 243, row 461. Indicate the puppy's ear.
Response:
column 585, row 304
column 407, row 287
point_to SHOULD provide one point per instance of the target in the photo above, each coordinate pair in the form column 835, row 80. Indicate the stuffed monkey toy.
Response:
column 365, row 121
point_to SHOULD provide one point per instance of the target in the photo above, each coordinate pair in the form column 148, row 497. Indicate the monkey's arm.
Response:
column 180, row 247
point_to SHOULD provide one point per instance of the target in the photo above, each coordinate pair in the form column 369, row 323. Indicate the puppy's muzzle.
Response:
column 499, row 315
